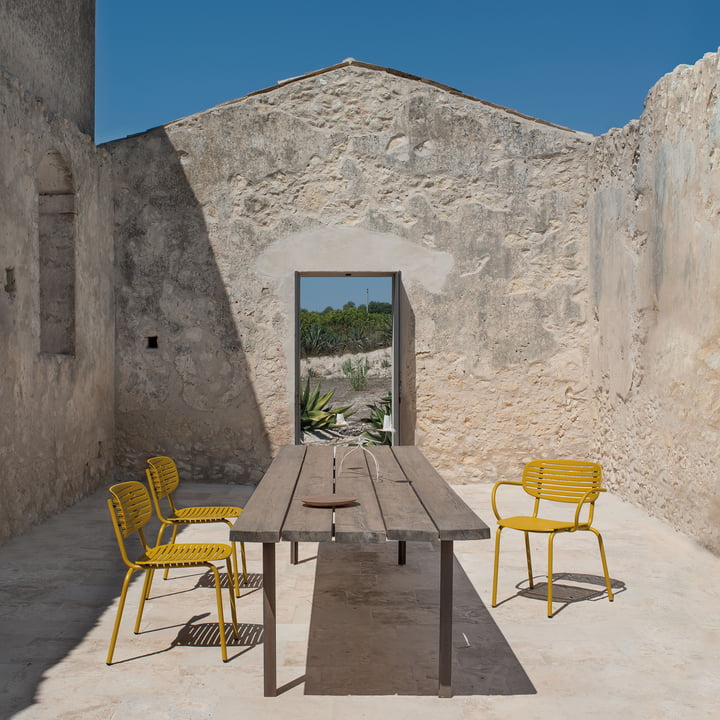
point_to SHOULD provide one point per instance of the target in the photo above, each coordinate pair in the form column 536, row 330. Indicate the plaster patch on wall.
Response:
column 342, row 249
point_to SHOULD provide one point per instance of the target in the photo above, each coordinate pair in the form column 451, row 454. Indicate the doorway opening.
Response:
column 346, row 368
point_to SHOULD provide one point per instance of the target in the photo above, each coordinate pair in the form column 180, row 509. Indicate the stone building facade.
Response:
column 57, row 356
column 557, row 291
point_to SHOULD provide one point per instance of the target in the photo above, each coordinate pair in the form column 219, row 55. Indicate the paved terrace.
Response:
column 357, row 634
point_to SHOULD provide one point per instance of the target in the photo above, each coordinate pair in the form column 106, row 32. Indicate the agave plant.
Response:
column 375, row 419
column 315, row 414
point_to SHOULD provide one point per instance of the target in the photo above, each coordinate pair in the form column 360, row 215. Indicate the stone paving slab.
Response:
column 355, row 631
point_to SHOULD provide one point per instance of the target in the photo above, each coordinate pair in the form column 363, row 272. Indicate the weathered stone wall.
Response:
column 654, row 217
column 354, row 169
column 50, row 48
column 56, row 409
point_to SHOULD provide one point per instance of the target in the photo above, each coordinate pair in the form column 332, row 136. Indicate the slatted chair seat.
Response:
column 163, row 479
column 533, row 524
column 573, row 485
column 184, row 554
column 130, row 510
column 203, row 514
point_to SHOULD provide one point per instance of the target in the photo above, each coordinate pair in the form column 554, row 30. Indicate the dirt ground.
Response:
column 328, row 372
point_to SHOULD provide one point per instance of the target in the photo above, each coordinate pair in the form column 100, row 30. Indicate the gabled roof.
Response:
column 348, row 62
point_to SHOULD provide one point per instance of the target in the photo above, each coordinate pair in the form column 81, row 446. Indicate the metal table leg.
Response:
column 446, row 610
column 269, row 630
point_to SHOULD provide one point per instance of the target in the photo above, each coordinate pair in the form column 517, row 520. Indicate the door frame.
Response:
column 395, row 296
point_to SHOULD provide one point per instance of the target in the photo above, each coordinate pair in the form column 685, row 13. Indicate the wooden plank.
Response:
column 308, row 524
column 451, row 515
column 263, row 516
column 404, row 515
column 363, row 521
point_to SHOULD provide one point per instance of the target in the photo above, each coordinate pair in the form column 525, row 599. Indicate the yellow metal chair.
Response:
column 130, row 509
column 163, row 479
column 572, row 482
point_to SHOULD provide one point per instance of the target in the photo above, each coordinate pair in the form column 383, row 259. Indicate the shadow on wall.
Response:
column 183, row 387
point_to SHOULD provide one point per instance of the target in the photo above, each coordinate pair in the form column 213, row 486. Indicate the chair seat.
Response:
column 533, row 524
column 185, row 554
column 204, row 513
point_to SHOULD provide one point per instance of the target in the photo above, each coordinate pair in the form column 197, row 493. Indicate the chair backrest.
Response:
column 567, row 481
column 163, row 478
column 130, row 510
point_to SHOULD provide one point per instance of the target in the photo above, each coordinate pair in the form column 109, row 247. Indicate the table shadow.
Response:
column 374, row 627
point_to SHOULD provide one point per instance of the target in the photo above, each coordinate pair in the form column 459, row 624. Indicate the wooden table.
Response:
column 409, row 501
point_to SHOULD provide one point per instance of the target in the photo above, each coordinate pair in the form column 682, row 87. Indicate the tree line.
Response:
column 350, row 330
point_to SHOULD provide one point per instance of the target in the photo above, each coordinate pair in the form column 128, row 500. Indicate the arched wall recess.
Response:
column 56, row 236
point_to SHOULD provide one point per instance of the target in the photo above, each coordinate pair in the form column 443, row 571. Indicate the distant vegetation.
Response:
column 350, row 330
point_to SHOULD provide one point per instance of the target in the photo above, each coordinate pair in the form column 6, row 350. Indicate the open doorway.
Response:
column 346, row 357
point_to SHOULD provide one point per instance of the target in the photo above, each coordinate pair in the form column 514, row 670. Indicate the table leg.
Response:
column 446, row 611
column 294, row 553
column 269, row 634
column 402, row 552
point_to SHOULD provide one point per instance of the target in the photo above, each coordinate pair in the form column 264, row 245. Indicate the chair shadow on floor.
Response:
column 254, row 582
column 206, row 634
column 569, row 594
column 374, row 627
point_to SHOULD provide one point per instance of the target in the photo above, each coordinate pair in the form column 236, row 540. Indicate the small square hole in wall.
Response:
column 10, row 280
column 152, row 342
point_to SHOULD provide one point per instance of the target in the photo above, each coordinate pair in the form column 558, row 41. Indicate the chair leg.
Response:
column 160, row 533
column 121, row 606
column 495, row 571
column 232, row 602
column 221, row 616
column 143, row 596
column 244, row 563
column 233, row 579
column 529, row 560
column 604, row 564
column 172, row 542
column 148, row 583
column 550, row 573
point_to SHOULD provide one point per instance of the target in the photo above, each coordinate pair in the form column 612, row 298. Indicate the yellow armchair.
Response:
column 569, row 482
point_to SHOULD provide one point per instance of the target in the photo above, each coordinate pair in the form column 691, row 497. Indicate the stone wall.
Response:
column 50, row 48
column 654, row 217
column 57, row 408
column 353, row 169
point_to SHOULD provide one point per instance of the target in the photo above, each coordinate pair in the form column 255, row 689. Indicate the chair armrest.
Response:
column 494, row 490
column 586, row 499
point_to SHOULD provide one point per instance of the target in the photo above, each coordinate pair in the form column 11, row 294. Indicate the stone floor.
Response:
column 357, row 633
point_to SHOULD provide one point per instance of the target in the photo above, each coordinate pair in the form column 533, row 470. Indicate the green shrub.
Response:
column 356, row 372
column 314, row 411
column 375, row 419
column 334, row 332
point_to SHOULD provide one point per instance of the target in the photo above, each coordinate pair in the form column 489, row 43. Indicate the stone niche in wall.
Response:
column 56, row 235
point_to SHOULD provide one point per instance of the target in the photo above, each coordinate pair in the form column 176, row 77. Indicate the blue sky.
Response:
column 316, row 293
column 583, row 65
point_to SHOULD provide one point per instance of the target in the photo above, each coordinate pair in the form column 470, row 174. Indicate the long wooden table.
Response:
column 406, row 501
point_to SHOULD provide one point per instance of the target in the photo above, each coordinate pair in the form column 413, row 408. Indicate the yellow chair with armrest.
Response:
column 575, row 484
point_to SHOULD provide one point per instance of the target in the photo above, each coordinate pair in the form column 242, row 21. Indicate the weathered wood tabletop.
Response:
column 401, row 498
